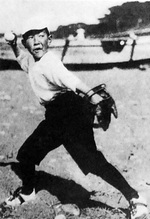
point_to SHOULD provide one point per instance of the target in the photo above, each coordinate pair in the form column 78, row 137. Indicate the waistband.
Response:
column 58, row 98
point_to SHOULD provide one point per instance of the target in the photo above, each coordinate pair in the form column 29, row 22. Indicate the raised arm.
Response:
column 23, row 58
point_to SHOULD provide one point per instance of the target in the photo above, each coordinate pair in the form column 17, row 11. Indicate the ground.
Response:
column 125, row 144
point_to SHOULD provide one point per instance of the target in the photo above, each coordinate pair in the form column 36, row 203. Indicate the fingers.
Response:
column 10, row 37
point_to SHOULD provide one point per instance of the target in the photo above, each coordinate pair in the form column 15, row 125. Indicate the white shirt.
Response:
column 48, row 76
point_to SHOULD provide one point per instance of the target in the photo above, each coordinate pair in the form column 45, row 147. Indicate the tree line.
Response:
column 130, row 15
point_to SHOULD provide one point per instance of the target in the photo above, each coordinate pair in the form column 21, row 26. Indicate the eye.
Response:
column 41, row 35
column 30, row 37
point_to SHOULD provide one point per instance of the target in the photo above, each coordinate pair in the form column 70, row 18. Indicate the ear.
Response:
column 49, row 39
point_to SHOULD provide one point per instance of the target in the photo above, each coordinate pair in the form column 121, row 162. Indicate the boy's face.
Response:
column 37, row 43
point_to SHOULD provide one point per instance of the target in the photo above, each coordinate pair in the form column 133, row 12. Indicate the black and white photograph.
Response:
column 74, row 109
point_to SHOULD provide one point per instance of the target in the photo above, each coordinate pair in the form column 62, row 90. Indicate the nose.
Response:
column 36, row 39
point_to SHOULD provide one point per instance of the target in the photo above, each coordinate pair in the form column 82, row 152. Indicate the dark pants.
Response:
column 68, row 121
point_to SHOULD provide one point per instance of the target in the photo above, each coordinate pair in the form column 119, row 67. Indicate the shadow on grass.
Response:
column 67, row 191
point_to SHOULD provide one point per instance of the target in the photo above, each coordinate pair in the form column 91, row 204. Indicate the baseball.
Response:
column 9, row 36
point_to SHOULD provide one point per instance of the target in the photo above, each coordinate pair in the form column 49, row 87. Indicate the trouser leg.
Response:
column 112, row 176
column 96, row 163
column 81, row 145
column 28, row 177
column 33, row 151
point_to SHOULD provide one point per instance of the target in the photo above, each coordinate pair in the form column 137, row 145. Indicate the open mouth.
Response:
column 36, row 50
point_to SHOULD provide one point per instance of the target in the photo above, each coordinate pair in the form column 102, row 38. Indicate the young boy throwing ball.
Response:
column 66, row 122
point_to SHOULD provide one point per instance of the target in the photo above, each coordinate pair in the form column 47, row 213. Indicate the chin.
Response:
column 39, row 56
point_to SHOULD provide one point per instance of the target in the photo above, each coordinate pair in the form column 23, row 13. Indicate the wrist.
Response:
column 13, row 43
column 93, row 97
column 90, row 93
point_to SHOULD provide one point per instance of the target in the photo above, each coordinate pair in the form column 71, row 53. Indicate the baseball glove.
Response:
column 104, row 108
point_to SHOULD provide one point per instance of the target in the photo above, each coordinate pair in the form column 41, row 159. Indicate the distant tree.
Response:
column 130, row 15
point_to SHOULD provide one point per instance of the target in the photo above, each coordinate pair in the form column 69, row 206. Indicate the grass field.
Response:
column 125, row 144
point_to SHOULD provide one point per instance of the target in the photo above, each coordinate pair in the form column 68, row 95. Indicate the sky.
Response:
column 14, row 13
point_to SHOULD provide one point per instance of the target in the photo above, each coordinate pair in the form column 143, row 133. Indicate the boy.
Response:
column 66, row 120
